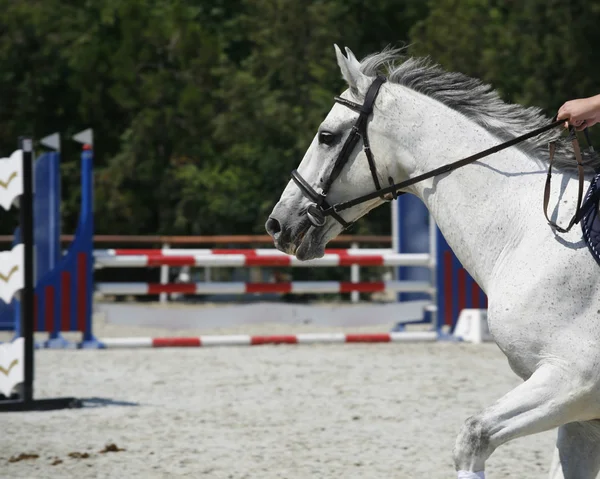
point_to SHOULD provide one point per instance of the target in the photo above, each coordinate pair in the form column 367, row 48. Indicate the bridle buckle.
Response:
column 315, row 215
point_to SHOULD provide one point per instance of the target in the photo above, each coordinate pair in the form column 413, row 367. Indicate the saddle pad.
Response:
column 590, row 223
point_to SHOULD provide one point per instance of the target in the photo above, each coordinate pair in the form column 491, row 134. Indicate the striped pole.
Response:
column 296, row 287
column 247, row 340
column 244, row 251
column 245, row 259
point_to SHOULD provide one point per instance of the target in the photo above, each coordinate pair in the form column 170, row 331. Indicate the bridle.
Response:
column 318, row 211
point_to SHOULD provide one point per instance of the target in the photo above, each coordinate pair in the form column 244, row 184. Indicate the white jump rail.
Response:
column 246, row 340
column 258, row 257
column 249, row 251
column 361, row 258
column 297, row 287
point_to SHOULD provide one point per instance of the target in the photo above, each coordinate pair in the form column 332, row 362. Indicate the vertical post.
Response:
column 443, row 270
column 54, row 240
column 87, row 236
column 27, row 293
column 413, row 230
column 433, row 265
column 354, row 276
column 398, row 240
column 395, row 208
column 26, row 401
column 164, row 278
column 46, row 233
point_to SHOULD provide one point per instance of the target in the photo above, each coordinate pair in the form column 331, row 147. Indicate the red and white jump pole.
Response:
column 249, row 258
column 296, row 287
column 246, row 340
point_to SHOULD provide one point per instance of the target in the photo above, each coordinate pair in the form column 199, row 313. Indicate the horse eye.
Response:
column 326, row 138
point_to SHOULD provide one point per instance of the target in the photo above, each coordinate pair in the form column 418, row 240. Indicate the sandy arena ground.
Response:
column 323, row 411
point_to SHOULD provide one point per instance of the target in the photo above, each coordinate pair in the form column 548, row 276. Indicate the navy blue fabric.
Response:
column 590, row 223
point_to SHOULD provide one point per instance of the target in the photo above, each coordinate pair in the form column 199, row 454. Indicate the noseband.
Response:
column 319, row 209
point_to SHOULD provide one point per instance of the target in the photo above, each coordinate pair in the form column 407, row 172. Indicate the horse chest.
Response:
column 520, row 342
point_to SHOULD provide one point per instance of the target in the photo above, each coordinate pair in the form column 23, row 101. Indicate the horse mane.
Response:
column 477, row 101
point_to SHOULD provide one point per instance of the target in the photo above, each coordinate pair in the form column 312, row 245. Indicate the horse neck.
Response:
column 482, row 209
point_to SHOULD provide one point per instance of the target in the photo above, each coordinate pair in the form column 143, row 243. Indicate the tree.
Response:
column 150, row 63
column 534, row 52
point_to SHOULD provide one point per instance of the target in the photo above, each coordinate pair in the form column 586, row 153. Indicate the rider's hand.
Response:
column 580, row 113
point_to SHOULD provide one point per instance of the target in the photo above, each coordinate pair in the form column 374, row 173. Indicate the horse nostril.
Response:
column 273, row 227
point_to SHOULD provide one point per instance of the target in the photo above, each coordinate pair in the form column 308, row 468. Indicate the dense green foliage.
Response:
column 201, row 109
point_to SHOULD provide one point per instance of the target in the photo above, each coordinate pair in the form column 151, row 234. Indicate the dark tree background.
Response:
column 201, row 109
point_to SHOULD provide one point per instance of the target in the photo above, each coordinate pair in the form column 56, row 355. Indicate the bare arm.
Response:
column 580, row 113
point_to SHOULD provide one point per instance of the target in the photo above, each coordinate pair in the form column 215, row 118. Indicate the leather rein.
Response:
column 319, row 209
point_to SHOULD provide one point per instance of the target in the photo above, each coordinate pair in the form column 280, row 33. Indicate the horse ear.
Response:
column 352, row 59
column 350, row 68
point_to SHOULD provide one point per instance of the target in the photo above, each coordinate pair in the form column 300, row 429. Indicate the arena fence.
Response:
column 65, row 282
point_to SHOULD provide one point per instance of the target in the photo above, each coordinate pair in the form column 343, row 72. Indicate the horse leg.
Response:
column 577, row 452
column 550, row 398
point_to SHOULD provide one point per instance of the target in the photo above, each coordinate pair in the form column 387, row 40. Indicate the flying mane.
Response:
column 477, row 101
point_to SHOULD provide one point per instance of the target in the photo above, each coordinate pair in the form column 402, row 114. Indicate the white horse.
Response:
column 543, row 288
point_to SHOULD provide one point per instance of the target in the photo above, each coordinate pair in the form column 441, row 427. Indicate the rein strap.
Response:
column 393, row 189
column 577, row 215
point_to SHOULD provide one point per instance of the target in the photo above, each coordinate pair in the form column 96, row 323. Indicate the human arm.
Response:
column 581, row 113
